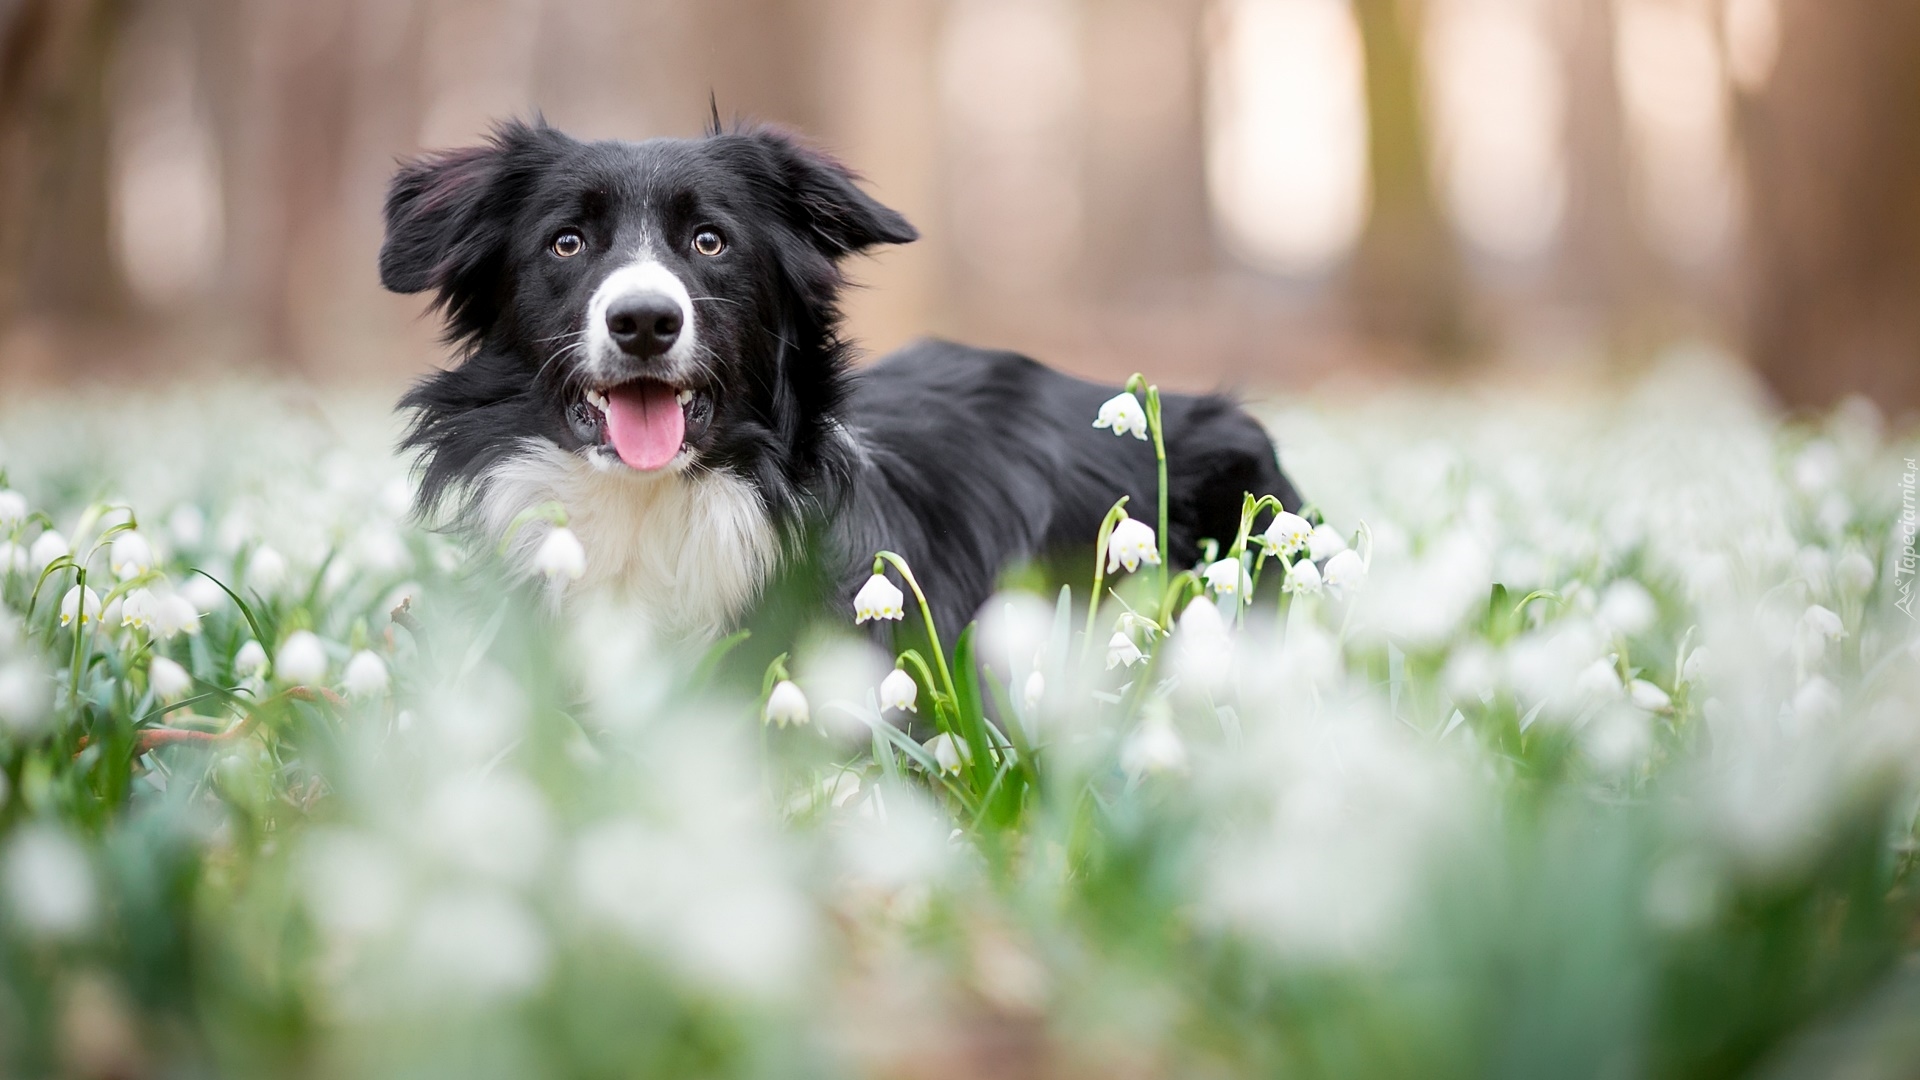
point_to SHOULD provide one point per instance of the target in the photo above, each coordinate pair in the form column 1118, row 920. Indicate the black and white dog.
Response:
column 649, row 337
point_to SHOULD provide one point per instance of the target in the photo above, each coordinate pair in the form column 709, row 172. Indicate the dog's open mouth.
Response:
column 646, row 422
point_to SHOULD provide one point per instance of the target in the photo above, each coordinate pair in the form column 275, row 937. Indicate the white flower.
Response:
column 266, row 570
column 1647, row 696
column 80, row 603
column 1200, row 619
column 1131, row 544
column 49, row 882
column 50, row 546
column 1598, row 681
column 1034, row 691
column 560, row 555
column 1123, row 414
column 187, row 525
column 786, row 705
column 1325, row 542
column 302, row 659
column 1823, row 623
column 130, row 556
column 25, row 694
column 13, row 508
column 1286, row 535
column 1122, row 650
column 1302, row 577
column 13, row 558
column 1628, row 607
column 141, row 609
column 1855, row 573
column 1154, row 747
column 174, row 615
column 1344, row 573
column 251, row 661
column 879, row 599
column 366, row 675
column 1131, row 621
column 1699, row 661
column 169, row 680
column 899, row 691
column 1228, row 577
column 949, row 752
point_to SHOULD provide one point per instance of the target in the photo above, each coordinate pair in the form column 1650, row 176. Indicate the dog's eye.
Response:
column 707, row 242
column 568, row 244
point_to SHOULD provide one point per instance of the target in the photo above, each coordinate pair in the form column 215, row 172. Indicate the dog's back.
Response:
column 971, row 459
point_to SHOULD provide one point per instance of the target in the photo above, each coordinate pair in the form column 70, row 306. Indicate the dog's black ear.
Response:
column 449, row 214
column 825, row 200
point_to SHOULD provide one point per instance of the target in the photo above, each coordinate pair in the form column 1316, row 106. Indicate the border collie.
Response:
column 648, row 335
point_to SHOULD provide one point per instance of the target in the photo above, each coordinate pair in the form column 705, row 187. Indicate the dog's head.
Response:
column 650, row 306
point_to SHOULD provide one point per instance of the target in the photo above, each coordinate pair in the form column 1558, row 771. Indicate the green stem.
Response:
column 1114, row 517
column 926, row 616
column 1137, row 384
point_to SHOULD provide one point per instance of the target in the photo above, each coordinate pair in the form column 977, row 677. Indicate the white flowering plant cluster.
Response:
column 1549, row 740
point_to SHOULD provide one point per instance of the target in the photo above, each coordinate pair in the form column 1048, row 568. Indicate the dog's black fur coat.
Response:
column 962, row 460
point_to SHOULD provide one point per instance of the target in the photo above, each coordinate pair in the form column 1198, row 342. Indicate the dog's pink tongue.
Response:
column 645, row 423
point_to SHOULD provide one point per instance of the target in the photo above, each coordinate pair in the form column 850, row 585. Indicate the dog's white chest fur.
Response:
column 691, row 551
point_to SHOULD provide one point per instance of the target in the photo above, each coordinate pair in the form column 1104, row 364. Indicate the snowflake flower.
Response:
column 266, row 570
column 13, row 508
column 1228, row 577
column 1344, row 573
column 1647, row 696
column 251, row 661
column 899, row 691
column 1122, row 650
column 366, row 675
column 302, row 659
column 141, row 609
column 1286, row 535
column 786, row 704
column 130, row 556
column 1131, row 544
column 1302, row 577
column 80, row 603
column 174, row 615
column 949, row 752
column 169, row 681
column 1154, row 747
column 1325, row 542
column 879, row 599
column 1123, row 414
column 49, row 546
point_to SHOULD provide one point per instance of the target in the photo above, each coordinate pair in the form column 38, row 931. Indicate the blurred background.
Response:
column 1267, row 194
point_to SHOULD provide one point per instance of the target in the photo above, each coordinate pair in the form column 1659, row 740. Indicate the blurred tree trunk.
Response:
column 56, row 253
column 1604, row 268
column 1406, row 276
column 1833, row 175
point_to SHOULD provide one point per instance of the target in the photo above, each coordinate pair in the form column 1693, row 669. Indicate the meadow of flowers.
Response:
column 1551, row 739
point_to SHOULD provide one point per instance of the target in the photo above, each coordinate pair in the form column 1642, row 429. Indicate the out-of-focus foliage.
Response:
column 1588, row 745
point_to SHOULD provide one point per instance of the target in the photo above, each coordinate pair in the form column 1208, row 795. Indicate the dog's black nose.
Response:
column 644, row 324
